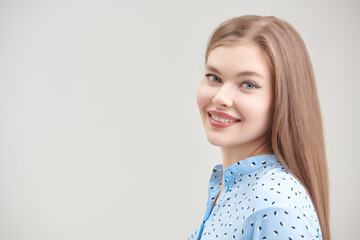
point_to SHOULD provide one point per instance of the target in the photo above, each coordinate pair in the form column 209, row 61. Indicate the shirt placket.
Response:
column 229, row 181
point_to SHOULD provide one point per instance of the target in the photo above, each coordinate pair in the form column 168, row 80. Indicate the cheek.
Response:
column 265, row 113
column 269, row 108
column 203, row 97
column 256, row 110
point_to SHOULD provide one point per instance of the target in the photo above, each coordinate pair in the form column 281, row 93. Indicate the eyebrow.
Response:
column 240, row 74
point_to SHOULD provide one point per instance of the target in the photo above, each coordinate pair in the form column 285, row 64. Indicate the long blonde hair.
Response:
column 297, row 136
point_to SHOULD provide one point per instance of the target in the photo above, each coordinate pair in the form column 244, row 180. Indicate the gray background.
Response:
column 100, row 136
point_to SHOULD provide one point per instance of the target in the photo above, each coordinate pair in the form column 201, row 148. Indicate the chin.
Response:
column 216, row 141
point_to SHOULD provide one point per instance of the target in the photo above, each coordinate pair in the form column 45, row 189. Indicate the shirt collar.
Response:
column 237, row 170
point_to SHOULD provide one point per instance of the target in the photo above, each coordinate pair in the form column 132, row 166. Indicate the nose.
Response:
column 224, row 97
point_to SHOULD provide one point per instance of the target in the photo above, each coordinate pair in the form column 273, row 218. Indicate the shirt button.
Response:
column 228, row 174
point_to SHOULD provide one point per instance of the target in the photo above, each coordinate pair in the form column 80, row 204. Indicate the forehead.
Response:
column 232, row 59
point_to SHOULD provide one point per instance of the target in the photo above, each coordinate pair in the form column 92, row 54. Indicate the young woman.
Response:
column 258, row 102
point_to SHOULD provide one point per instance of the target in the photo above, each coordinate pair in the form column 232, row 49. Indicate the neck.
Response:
column 229, row 156
column 234, row 154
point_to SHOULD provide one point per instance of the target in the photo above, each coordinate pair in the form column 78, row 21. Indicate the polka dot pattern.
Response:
column 261, row 200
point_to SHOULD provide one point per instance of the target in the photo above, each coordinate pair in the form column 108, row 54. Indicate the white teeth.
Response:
column 219, row 119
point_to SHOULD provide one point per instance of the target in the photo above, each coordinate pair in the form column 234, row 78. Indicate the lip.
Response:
column 222, row 115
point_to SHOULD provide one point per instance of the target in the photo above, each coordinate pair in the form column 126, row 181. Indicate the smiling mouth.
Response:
column 222, row 120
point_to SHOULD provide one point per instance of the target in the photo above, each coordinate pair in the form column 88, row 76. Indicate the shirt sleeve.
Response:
column 283, row 223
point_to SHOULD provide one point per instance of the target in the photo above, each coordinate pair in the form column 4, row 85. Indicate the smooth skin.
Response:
column 238, row 82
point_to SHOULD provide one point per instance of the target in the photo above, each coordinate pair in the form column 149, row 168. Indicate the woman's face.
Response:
column 235, row 97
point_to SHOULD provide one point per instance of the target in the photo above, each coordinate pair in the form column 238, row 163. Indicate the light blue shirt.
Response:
column 260, row 200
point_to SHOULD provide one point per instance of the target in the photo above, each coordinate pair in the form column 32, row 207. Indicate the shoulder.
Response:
column 281, row 223
column 284, row 208
column 280, row 187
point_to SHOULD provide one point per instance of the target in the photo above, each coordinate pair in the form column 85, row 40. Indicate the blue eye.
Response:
column 249, row 85
column 213, row 78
